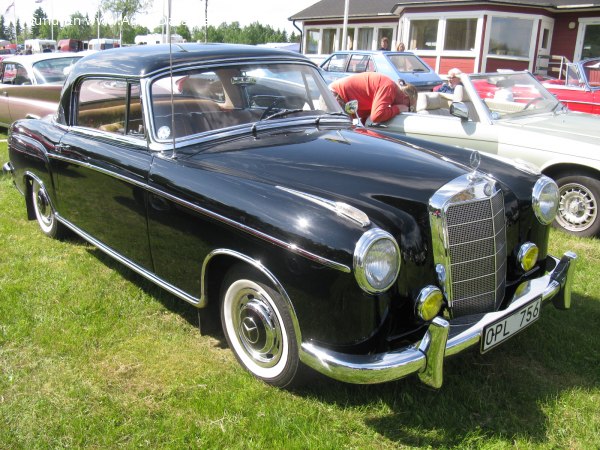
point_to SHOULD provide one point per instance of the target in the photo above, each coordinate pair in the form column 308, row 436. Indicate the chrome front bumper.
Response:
column 427, row 357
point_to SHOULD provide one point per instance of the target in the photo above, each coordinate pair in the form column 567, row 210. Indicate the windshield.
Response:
column 407, row 63
column 592, row 73
column 211, row 100
column 507, row 95
column 53, row 71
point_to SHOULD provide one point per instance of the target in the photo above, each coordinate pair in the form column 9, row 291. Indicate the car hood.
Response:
column 573, row 126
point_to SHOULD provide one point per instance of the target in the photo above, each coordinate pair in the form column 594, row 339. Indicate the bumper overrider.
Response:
column 443, row 338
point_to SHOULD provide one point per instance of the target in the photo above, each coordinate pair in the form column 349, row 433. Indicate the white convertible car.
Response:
column 513, row 116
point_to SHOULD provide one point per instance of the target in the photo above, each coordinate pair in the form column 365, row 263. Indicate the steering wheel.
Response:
column 532, row 101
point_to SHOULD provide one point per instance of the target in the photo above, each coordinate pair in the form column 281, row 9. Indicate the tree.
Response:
column 124, row 11
column 3, row 31
column 183, row 31
column 79, row 28
column 39, row 18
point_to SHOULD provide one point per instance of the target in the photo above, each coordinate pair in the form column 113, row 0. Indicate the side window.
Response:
column 361, row 63
column 337, row 63
column 113, row 106
column 15, row 74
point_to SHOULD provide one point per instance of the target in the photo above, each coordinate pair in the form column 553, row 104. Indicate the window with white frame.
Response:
column 510, row 36
column 423, row 34
column 460, row 34
column 365, row 39
column 329, row 40
column 312, row 42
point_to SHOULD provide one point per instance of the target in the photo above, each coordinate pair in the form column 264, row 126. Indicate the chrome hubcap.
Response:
column 577, row 210
column 42, row 206
column 258, row 329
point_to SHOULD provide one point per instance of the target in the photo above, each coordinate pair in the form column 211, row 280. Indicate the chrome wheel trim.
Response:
column 577, row 209
column 255, row 329
column 43, row 208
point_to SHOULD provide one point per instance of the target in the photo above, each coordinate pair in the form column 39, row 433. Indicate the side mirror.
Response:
column 351, row 107
column 460, row 110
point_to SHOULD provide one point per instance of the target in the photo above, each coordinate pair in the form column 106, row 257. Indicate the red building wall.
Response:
column 494, row 64
column 466, row 65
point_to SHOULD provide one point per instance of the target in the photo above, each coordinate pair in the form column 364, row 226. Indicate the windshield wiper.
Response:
column 283, row 112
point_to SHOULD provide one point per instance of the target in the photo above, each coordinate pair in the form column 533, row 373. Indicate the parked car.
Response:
column 396, row 65
column 512, row 115
column 30, row 84
column 322, row 245
column 578, row 86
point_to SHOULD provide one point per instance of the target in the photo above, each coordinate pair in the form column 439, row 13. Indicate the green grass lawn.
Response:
column 93, row 356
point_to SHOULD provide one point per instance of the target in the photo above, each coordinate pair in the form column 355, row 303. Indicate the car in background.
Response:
column 319, row 245
column 512, row 115
column 404, row 66
column 578, row 85
column 30, row 84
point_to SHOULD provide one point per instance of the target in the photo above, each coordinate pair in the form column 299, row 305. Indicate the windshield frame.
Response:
column 308, row 69
column 509, row 95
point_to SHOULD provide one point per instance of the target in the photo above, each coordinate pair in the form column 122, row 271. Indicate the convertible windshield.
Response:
column 592, row 73
column 54, row 70
column 233, row 96
column 507, row 95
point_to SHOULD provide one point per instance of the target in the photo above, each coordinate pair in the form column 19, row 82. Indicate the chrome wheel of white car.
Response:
column 258, row 328
column 578, row 207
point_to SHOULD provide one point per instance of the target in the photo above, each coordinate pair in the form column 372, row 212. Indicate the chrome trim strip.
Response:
column 130, row 264
column 258, row 266
column 259, row 234
column 341, row 209
column 426, row 359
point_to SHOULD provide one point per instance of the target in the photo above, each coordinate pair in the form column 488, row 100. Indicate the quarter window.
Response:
column 112, row 106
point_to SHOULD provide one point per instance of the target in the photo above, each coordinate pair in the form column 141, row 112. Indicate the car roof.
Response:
column 373, row 52
column 144, row 60
column 32, row 59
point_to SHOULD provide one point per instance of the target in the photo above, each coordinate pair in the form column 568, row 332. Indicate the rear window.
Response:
column 408, row 63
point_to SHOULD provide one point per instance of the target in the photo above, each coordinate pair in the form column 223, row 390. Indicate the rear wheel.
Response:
column 44, row 213
column 259, row 328
column 578, row 206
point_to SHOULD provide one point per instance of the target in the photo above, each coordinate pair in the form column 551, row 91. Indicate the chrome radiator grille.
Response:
column 468, row 224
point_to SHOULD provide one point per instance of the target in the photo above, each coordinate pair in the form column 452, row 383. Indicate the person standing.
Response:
column 385, row 43
column 378, row 96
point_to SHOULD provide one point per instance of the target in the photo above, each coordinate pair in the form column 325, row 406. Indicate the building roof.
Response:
column 329, row 9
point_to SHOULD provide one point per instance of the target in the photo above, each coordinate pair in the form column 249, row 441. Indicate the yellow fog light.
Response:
column 429, row 302
column 528, row 256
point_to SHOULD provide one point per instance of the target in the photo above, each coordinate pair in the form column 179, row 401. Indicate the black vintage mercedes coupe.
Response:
column 229, row 176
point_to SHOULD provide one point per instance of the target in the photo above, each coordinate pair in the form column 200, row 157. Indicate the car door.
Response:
column 447, row 130
column 104, row 169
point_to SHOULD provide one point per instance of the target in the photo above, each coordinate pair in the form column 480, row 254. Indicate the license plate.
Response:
column 497, row 332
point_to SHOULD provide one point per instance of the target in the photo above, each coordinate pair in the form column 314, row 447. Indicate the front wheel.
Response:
column 259, row 329
column 578, row 205
column 44, row 213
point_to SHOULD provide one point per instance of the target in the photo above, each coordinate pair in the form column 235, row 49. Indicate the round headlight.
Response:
column 545, row 200
column 376, row 261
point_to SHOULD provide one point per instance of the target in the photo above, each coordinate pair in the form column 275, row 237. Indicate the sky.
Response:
column 266, row 12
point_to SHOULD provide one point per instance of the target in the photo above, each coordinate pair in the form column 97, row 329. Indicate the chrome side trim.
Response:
column 340, row 208
column 259, row 234
column 130, row 264
column 427, row 357
column 261, row 268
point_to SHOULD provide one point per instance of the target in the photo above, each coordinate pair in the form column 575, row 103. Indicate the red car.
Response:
column 578, row 86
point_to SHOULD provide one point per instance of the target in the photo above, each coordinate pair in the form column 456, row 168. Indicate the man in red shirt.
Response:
column 378, row 95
